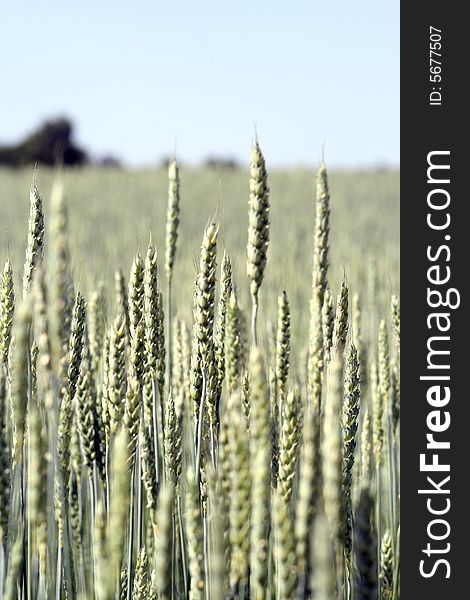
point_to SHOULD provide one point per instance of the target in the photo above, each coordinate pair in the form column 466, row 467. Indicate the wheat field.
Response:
column 199, row 384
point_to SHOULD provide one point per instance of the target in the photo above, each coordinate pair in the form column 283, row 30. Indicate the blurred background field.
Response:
column 113, row 211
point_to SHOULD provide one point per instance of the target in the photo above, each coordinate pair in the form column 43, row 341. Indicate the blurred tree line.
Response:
column 51, row 144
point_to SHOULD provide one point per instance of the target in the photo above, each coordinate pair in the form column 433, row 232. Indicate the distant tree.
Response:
column 51, row 144
column 218, row 162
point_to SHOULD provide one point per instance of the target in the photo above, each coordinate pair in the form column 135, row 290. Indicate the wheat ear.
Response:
column 258, row 229
column 35, row 241
column 349, row 423
column 7, row 308
column 221, row 318
column 97, row 325
column 284, row 550
column 5, row 475
column 328, row 323
column 239, row 499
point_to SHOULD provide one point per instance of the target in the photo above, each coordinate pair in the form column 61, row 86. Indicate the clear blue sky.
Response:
column 137, row 75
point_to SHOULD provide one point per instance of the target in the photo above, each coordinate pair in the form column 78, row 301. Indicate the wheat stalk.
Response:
column 202, row 363
column 323, row 584
column 386, row 566
column 233, row 358
column 195, row 538
column 97, row 325
column 173, row 440
column 328, row 323
column 341, row 318
column 5, row 475
column 221, row 318
column 173, row 217
column 60, row 274
column 7, row 308
column 290, row 438
column 284, row 550
column 332, row 457
column 258, row 229
column 349, row 423
column 308, row 494
column 119, row 505
column 359, row 341
column 239, row 499
column 35, row 241
column 85, row 406
column 141, row 580
column 122, row 300
column 260, row 467
column 163, row 551
column 365, row 567
column 115, row 363
column 20, row 377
